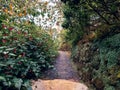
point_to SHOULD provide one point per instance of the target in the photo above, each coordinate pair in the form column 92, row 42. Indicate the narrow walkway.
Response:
column 62, row 77
column 63, row 68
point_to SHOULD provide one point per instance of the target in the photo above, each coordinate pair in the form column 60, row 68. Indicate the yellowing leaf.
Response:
column 24, row 12
column 20, row 14
column 5, row 10
column 118, row 76
column 10, row 6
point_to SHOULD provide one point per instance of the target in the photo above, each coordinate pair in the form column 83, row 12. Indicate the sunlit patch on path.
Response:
column 62, row 77
column 58, row 84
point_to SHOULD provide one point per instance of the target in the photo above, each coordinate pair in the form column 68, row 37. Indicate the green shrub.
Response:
column 98, row 62
column 25, row 53
column 108, row 69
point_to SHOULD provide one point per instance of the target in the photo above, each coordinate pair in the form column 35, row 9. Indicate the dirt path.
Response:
column 63, row 68
column 62, row 77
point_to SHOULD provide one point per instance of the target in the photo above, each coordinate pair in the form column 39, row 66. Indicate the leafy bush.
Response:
column 25, row 49
column 98, row 63
column 25, row 53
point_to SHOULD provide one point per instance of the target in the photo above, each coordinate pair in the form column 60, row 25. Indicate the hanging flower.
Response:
column 5, row 34
column 30, row 70
column 9, row 67
column 4, row 26
column 19, row 32
column 23, row 54
column 19, row 62
column 11, row 28
column 15, row 50
column 30, row 38
column 4, row 40
column 25, row 33
column 15, row 38
column 6, row 56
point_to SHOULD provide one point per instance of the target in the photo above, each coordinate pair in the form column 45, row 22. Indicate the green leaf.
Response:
column 2, row 47
column 5, row 83
column 9, row 49
column 1, row 51
column 1, row 64
column 18, row 82
column 26, row 83
column 9, row 76
column 12, row 54
column 2, row 78
column 10, row 62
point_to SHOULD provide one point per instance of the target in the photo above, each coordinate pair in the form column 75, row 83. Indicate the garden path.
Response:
column 62, row 77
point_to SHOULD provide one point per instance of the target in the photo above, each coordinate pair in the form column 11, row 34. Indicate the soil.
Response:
column 61, row 77
column 63, row 68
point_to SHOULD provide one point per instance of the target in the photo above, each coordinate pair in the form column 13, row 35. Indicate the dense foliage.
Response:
column 26, row 50
column 93, row 27
column 82, row 17
column 75, row 21
column 98, row 63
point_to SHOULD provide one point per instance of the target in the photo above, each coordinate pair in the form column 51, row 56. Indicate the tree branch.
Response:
column 95, row 10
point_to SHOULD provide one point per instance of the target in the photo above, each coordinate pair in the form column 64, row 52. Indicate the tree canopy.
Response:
column 82, row 16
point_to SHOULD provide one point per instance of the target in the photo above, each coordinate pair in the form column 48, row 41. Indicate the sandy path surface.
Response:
column 62, row 77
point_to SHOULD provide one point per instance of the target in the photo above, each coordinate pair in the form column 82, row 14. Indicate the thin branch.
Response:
column 95, row 10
